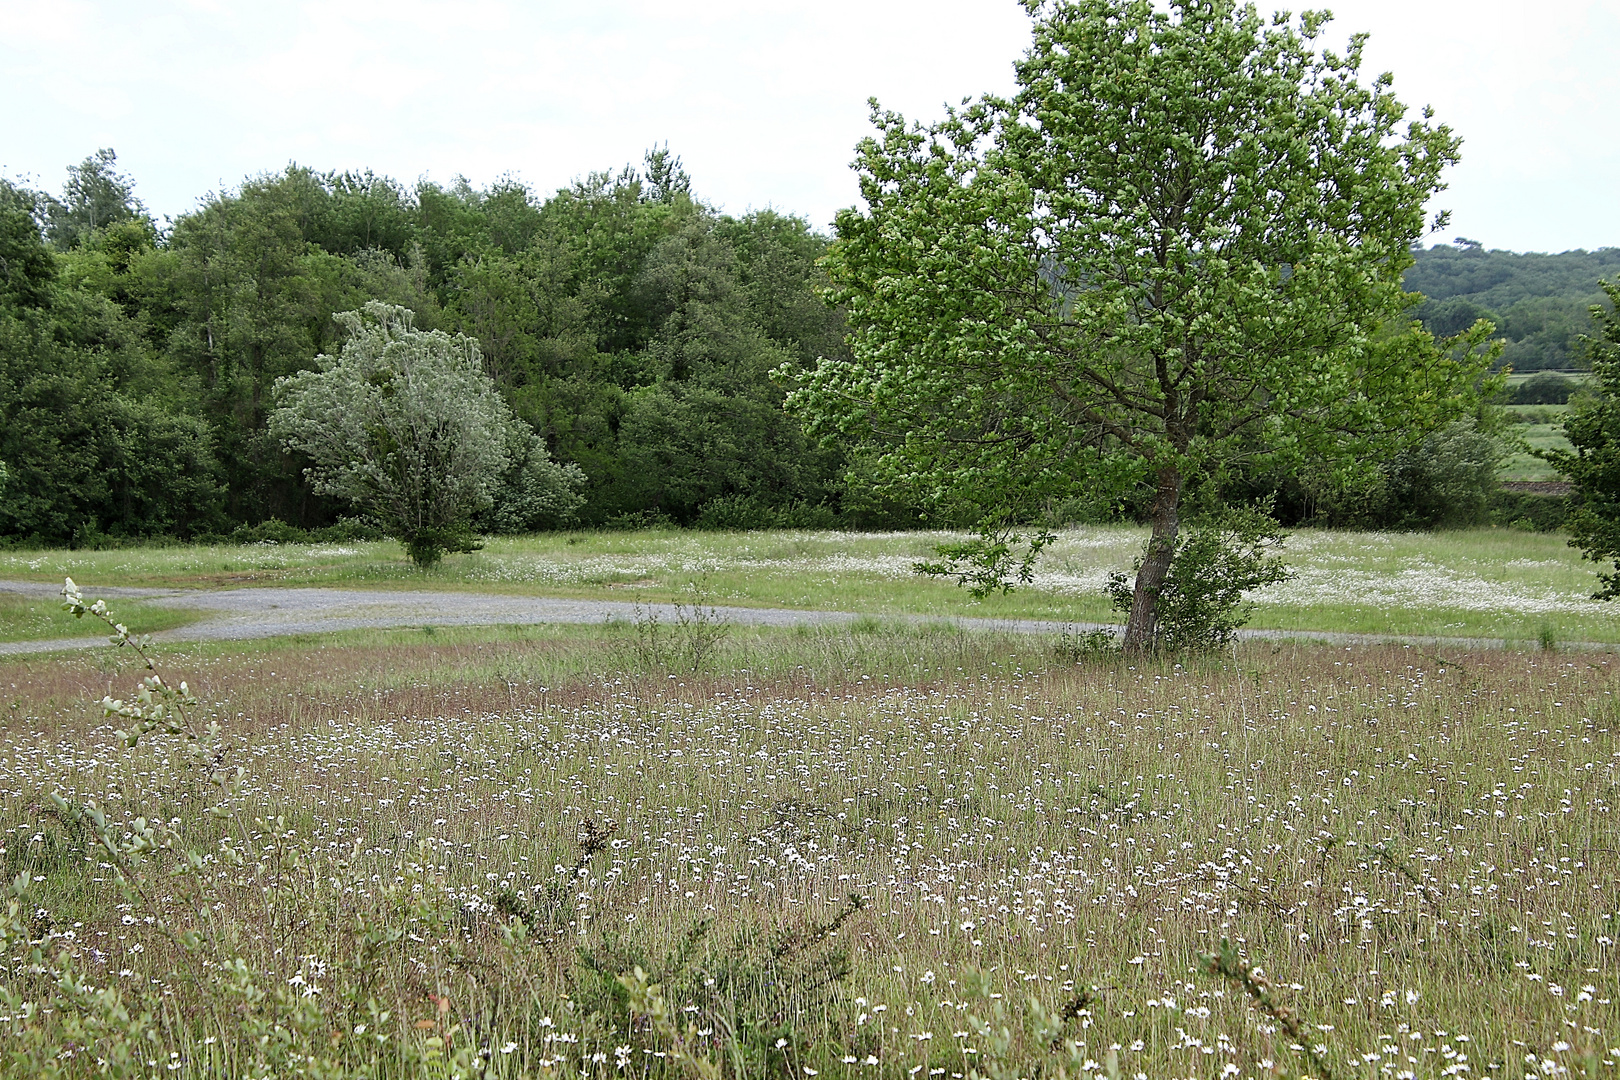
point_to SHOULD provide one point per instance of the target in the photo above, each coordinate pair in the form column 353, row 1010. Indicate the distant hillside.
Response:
column 1540, row 303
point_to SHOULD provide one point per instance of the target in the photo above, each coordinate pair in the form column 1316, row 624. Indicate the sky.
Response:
column 763, row 101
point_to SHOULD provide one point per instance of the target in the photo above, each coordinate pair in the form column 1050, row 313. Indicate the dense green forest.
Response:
column 1540, row 304
column 626, row 321
column 630, row 324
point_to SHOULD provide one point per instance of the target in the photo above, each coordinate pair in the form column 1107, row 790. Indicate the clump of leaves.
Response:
column 1200, row 605
column 990, row 562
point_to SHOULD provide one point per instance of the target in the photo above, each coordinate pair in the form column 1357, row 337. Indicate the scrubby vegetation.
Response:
column 626, row 322
column 1172, row 280
column 629, row 325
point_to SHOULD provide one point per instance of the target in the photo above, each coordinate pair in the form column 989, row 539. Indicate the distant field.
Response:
column 1546, row 434
column 1495, row 583
column 1515, row 378
column 1523, row 465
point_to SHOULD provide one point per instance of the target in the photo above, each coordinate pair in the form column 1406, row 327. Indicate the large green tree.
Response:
column 242, row 294
column 89, row 428
column 1593, row 466
column 95, row 196
column 1180, row 243
column 405, row 426
column 632, row 327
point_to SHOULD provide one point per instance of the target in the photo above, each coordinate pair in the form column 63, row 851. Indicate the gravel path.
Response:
column 233, row 614
column 236, row 614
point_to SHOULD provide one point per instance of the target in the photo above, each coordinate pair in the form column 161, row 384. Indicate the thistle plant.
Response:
column 161, row 707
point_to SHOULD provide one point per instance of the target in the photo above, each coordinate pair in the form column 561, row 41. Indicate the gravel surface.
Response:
column 235, row 614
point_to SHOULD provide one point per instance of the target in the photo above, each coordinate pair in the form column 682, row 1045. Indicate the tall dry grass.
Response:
column 458, row 845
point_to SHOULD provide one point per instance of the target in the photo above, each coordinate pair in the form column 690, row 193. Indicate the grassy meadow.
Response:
column 1541, row 427
column 877, row 851
column 36, row 619
column 1522, row 464
column 1502, row 584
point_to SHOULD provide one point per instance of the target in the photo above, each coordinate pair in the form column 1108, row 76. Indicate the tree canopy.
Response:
column 630, row 325
column 1540, row 303
column 1179, row 245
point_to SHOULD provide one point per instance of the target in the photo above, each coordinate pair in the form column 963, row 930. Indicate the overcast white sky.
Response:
column 763, row 100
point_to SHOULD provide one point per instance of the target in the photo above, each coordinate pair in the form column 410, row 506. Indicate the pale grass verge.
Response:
column 25, row 618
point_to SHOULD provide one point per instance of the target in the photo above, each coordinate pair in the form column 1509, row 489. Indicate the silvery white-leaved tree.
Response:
column 405, row 426
column 1179, row 244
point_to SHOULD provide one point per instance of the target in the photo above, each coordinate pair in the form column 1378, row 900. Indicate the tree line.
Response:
column 1539, row 303
column 631, row 326
column 628, row 323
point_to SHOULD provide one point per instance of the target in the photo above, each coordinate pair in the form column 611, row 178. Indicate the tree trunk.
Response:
column 1139, row 632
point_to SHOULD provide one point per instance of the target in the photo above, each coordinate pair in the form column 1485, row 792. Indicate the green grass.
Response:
column 27, row 619
column 1546, row 434
column 1494, row 583
column 1523, row 465
column 1518, row 378
column 1536, row 414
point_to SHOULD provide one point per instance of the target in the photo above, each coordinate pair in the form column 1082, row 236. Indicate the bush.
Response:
column 747, row 512
column 275, row 531
column 1100, row 509
column 406, row 427
column 1075, row 646
column 765, row 991
column 534, row 492
column 1201, row 605
column 735, row 513
column 632, row 520
column 1533, row 415
column 1446, row 481
column 1546, row 388
column 1529, row 511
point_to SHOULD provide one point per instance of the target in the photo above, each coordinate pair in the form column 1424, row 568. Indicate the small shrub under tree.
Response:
column 1201, row 605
